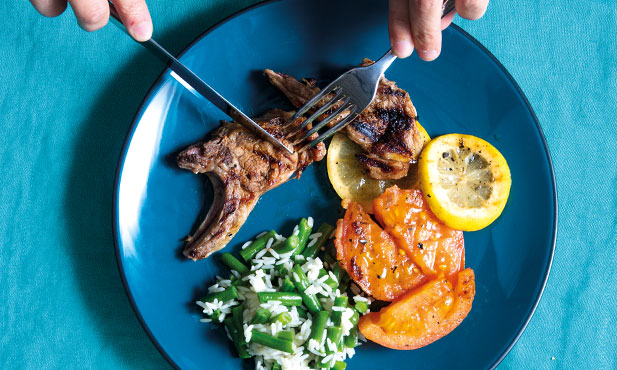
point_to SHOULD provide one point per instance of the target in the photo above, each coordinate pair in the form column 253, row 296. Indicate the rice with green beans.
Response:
column 284, row 308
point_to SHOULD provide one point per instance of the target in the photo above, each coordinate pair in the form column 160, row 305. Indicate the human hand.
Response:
column 418, row 23
column 94, row 14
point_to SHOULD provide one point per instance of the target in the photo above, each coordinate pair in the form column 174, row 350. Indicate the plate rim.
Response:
column 131, row 131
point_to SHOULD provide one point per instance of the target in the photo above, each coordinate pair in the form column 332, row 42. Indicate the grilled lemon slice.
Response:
column 351, row 181
column 465, row 180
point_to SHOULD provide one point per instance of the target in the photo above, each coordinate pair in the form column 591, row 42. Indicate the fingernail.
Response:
column 428, row 54
column 403, row 48
column 142, row 31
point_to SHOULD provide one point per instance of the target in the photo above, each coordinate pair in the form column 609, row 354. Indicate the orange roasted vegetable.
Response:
column 422, row 315
column 371, row 257
column 413, row 247
column 433, row 246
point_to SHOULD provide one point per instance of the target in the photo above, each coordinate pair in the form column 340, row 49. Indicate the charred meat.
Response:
column 386, row 129
column 241, row 167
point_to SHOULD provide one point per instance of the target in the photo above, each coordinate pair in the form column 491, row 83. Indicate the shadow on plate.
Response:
column 89, row 193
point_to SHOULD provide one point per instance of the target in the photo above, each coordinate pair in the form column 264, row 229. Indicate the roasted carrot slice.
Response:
column 422, row 315
column 371, row 257
column 433, row 246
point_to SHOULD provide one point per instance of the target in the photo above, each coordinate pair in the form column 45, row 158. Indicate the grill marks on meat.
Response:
column 241, row 167
column 380, row 168
column 275, row 120
column 386, row 129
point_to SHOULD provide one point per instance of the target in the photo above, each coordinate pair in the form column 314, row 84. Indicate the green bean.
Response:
column 239, row 282
column 338, row 315
column 304, row 230
column 286, row 298
column 289, row 245
column 283, row 317
column 326, row 231
column 258, row 244
column 320, row 319
column 361, row 306
column 224, row 296
column 288, row 285
column 328, row 258
column 301, row 282
column 276, row 366
column 272, row 341
column 331, row 283
column 351, row 340
column 216, row 316
column 335, row 334
column 234, row 280
column 302, row 312
column 355, row 318
column 237, row 337
column 282, row 270
column 233, row 263
column 339, row 365
column 286, row 334
column 337, row 271
column 262, row 316
column 237, row 314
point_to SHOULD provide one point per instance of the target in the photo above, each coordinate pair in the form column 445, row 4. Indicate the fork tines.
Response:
column 339, row 101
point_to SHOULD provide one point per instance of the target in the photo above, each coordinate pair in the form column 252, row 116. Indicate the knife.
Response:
column 190, row 80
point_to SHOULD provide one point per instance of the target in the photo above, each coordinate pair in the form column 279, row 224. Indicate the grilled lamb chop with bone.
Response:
column 386, row 129
column 241, row 167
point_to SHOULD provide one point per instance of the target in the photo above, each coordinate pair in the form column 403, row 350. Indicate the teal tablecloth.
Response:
column 67, row 98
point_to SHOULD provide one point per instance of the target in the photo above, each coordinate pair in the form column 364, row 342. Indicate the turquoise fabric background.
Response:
column 67, row 99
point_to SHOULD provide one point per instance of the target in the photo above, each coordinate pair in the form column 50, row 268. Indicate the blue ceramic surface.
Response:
column 466, row 91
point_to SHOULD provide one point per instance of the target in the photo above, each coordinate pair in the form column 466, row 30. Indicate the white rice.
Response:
column 264, row 277
column 359, row 298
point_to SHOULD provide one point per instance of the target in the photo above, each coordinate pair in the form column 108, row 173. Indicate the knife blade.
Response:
column 188, row 78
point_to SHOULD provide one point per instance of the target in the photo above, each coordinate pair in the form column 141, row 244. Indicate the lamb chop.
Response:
column 386, row 129
column 241, row 167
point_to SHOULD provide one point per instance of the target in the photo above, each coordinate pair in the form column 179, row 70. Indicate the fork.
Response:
column 352, row 92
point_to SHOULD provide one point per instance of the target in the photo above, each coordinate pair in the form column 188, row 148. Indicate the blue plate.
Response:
column 466, row 91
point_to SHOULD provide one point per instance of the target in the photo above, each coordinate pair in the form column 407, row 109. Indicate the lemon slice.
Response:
column 349, row 178
column 425, row 136
column 465, row 180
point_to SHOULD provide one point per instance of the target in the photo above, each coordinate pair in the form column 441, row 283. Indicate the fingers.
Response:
column 94, row 14
column 425, row 19
column 399, row 29
column 49, row 8
column 447, row 20
column 471, row 9
column 136, row 18
column 91, row 14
